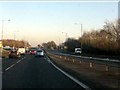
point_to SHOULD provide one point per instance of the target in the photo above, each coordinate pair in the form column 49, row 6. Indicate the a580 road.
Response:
column 33, row 72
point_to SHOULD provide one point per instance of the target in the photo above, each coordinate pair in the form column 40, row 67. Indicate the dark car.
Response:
column 14, row 54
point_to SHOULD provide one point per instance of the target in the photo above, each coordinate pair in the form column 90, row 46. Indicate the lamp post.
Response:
column 3, row 26
column 81, row 35
column 65, row 34
column 15, row 34
column 81, row 38
column 14, row 46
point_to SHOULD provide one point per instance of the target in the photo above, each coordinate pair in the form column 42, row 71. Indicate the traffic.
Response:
column 51, row 44
column 18, row 52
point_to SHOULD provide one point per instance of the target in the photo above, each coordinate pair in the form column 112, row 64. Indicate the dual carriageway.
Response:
column 42, row 72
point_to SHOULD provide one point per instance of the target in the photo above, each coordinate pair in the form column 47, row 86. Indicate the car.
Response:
column 32, row 51
column 14, row 54
column 39, row 53
column 77, row 50
column 22, row 50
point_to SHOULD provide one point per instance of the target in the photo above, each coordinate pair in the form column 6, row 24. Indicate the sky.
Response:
column 38, row 22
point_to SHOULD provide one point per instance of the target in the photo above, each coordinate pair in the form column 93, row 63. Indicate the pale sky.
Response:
column 39, row 22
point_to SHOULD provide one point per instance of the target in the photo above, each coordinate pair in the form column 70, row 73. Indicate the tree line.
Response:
column 49, row 45
column 101, row 41
column 105, row 40
column 15, row 43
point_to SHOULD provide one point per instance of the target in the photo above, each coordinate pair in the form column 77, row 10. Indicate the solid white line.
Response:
column 9, row 67
column 71, row 77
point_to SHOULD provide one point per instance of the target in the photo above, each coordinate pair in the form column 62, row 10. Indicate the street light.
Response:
column 14, row 39
column 2, row 27
column 66, row 38
column 65, row 34
column 81, row 36
column 15, row 34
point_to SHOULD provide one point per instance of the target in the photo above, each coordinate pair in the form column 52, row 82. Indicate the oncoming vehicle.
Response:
column 21, row 50
column 39, row 52
column 77, row 50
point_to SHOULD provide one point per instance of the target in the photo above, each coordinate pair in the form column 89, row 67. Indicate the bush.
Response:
column 5, row 54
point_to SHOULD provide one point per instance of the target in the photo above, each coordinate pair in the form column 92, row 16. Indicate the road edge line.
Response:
column 69, row 76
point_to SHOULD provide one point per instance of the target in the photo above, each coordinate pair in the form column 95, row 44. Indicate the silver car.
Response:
column 39, row 52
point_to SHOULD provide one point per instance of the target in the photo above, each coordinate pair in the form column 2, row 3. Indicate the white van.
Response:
column 77, row 50
column 21, row 50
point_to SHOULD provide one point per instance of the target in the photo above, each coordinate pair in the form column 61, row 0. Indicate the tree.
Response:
column 15, row 43
column 106, row 39
column 50, row 45
column 71, row 44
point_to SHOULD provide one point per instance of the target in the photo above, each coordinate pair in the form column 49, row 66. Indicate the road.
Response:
column 33, row 72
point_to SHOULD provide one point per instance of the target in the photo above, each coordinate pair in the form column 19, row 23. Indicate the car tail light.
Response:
column 9, row 52
column 17, row 53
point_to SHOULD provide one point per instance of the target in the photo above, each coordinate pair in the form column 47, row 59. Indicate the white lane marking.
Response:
column 23, row 58
column 69, row 76
column 14, row 64
column 9, row 67
column 18, row 61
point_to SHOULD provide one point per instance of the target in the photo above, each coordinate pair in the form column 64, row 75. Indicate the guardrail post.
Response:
column 68, row 59
column 65, row 58
column 80, row 61
column 60, row 57
column 91, row 65
column 73, row 60
column 106, row 68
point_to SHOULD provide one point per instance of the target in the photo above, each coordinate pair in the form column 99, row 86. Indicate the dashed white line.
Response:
column 22, row 58
column 14, row 64
column 9, row 67
column 18, row 61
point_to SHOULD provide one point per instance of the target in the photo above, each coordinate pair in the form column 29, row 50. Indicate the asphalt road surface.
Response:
column 33, row 72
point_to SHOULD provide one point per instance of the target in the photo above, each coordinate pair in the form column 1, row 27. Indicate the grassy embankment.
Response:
column 4, row 53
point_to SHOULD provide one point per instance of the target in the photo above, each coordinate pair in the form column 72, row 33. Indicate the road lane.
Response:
column 8, row 62
column 36, row 72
